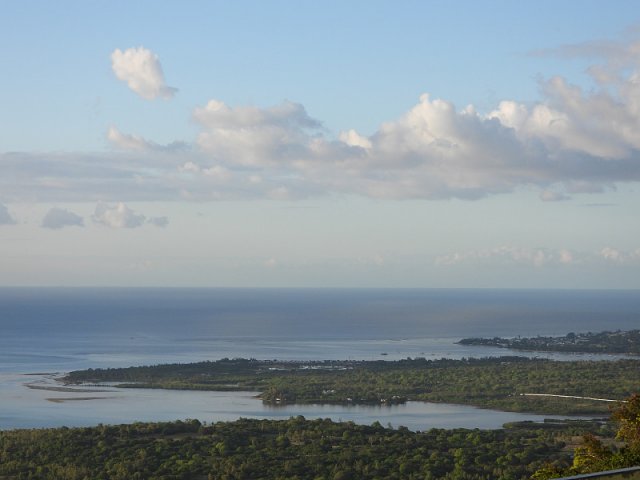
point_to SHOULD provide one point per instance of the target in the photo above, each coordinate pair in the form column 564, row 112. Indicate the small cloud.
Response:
column 551, row 196
column 119, row 216
column 142, row 265
column 158, row 221
column 5, row 216
column 378, row 260
column 620, row 257
column 57, row 218
column 612, row 255
column 126, row 141
column 271, row 263
column 141, row 69
column 565, row 256
column 509, row 255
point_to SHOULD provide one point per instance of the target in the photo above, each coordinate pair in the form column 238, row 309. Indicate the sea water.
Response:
column 54, row 330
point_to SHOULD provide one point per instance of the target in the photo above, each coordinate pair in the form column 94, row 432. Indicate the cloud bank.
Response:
column 141, row 70
column 538, row 257
column 573, row 141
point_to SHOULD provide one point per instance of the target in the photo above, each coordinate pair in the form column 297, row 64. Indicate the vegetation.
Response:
column 291, row 449
column 598, row 454
column 604, row 342
column 491, row 382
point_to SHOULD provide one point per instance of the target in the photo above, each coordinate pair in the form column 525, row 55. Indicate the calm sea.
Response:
column 57, row 330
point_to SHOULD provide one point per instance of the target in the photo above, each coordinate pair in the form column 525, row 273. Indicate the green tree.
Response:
column 594, row 456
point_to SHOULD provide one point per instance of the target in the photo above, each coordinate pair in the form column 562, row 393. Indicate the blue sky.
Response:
column 372, row 144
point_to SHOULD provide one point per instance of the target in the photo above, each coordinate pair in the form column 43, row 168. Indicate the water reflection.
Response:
column 24, row 407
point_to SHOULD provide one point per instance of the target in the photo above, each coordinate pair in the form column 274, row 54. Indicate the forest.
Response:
column 500, row 383
column 288, row 449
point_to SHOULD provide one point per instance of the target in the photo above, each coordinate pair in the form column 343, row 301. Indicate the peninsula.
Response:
column 503, row 383
column 616, row 342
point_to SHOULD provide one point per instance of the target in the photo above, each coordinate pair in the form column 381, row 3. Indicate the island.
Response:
column 614, row 342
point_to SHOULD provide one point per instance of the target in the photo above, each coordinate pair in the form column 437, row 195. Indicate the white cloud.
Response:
column 126, row 141
column 57, row 218
column 539, row 257
column 141, row 69
column 258, row 137
column 575, row 141
column 5, row 216
column 354, row 139
column 553, row 196
column 535, row 257
column 119, row 216
column 620, row 257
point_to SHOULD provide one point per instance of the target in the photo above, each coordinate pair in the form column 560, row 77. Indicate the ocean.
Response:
column 48, row 331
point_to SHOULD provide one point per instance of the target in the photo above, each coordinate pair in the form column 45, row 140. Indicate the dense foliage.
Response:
column 292, row 449
column 627, row 342
column 596, row 454
column 491, row 382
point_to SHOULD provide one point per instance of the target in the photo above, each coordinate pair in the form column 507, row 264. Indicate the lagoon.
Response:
column 24, row 407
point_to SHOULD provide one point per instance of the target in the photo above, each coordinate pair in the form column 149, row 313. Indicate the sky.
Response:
column 414, row 144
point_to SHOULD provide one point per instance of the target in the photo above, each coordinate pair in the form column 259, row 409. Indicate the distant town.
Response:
column 617, row 342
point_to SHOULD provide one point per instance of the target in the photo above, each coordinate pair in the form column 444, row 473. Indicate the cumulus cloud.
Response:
column 57, row 218
column 253, row 136
column 575, row 141
column 126, row 141
column 118, row 216
column 5, row 216
column 141, row 70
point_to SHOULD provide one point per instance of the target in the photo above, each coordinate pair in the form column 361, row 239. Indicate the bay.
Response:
column 58, row 329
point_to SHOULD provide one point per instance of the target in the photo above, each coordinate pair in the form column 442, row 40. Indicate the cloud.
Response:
column 575, row 141
column 259, row 137
column 511, row 255
column 616, row 256
column 551, row 196
column 159, row 221
column 270, row 263
column 132, row 142
column 141, row 69
column 126, row 141
column 119, row 216
column 5, row 216
column 538, row 257
column 57, row 218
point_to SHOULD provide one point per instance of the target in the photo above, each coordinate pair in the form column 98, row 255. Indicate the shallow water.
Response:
column 24, row 407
